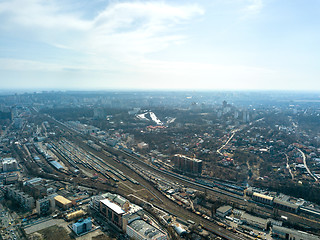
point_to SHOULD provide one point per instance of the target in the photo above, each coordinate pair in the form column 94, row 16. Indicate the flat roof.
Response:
column 224, row 209
column 114, row 207
column 263, row 196
column 62, row 200
column 284, row 203
column 56, row 165
column 297, row 233
column 247, row 216
column 145, row 229
column 189, row 158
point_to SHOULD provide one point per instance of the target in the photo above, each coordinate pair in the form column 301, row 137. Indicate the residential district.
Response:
column 159, row 165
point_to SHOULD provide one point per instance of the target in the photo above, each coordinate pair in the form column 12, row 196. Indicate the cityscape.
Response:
column 160, row 165
column 159, row 120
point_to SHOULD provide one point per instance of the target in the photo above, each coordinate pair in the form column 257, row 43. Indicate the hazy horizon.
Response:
column 232, row 45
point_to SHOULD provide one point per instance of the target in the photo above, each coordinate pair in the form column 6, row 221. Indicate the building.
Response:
column 291, row 234
column 180, row 230
column 56, row 165
column 112, row 211
column 82, row 226
column 117, row 210
column 187, row 164
column 255, row 221
column 142, row 145
column 75, row 215
column 223, row 211
column 62, row 202
column 9, row 164
column 285, row 205
column 262, row 198
column 46, row 205
column 140, row 230
column 36, row 187
column 9, row 178
column 23, row 199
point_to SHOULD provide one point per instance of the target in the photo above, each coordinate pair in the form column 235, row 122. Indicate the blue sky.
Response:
column 176, row 44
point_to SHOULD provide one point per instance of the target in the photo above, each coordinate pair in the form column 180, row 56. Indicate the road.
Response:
column 306, row 166
column 288, row 166
column 233, row 133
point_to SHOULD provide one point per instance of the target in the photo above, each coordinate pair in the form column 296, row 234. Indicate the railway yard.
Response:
column 78, row 158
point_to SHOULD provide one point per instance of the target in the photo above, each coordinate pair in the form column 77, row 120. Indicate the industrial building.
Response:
column 180, row 230
column 75, row 214
column 56, row 165
column 262, row 198
column 255, row 221
column 82, row 226
column 285, row 205
column 187, row 164
column 292, row 234
column 281, row 201
column 62, row 202
column 140, row 230
column 223, row 211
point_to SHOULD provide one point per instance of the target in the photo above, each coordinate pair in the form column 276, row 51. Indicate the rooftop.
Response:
column 189, row 158
column 62, row 200
column 56, row 165
column 224, row 209
column 263, row 196
column 145, row 229
column 114, row 207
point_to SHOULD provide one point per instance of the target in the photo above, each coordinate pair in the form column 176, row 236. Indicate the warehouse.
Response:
column 62, row 202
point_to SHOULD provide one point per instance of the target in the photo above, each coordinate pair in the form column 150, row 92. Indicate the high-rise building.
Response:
column 116, row 209
column 9, row 164
column 187, row 164
column 46, row 205
column 23, row 199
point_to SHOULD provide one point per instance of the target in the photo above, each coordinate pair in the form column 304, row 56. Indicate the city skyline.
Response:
column 191, row 45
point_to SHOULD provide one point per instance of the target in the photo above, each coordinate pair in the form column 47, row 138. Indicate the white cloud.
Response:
column 122, row 32
column 40, row 15
column 253, row 7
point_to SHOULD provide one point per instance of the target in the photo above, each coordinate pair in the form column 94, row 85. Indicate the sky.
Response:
column 161, row 45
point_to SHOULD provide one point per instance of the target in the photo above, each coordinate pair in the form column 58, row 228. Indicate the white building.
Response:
column 9, row 164
column 140, row 230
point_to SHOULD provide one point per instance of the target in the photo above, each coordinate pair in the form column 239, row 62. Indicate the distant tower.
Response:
column 246, row 116
column 236, row 114
column 224, row 104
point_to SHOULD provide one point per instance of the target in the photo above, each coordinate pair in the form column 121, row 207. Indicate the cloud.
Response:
column 253, row 7
column 40, row 15
column 121, row 32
